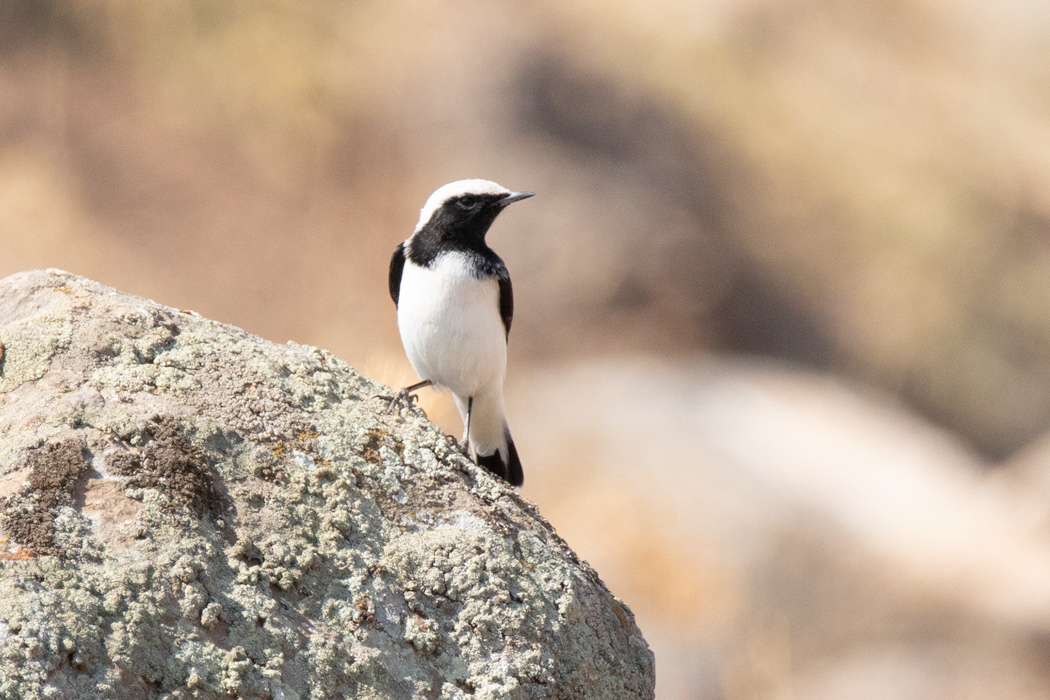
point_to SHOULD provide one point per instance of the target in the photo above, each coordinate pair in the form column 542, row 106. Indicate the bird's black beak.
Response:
column 513, row 197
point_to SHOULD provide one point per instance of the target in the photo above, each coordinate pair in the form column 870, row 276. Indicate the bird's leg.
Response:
column 466, row 437
column 405, row 395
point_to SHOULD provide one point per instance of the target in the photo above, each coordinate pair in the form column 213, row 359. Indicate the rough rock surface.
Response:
column 189, row 511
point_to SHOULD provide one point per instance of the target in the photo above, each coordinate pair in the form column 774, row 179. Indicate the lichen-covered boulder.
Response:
column 188, row 511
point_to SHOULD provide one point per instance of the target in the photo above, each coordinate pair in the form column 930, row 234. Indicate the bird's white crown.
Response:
column 456, row 189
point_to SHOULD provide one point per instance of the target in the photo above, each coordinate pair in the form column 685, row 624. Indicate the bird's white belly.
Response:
column 450, row 325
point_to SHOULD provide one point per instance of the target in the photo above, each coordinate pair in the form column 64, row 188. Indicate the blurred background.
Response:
column 780, row 367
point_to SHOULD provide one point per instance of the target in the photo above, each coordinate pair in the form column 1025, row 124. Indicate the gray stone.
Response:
column 189, row 511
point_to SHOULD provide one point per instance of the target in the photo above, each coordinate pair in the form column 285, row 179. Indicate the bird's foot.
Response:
column 406, row 395
column 399, row 399
column 463, row 447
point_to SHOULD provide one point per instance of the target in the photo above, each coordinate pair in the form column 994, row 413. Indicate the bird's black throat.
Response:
column 456, row 228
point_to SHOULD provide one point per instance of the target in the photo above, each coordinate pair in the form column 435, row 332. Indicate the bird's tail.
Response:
column 490, row 440
column 503, row 462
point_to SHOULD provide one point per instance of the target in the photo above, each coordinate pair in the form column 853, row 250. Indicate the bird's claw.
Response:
column 463, row 447
column 402, row 397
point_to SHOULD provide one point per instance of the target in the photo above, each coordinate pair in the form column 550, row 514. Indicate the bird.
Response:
column 455, row 304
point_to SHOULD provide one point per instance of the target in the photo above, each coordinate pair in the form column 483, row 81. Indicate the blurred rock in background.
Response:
column 787, row 535
column 859, row 192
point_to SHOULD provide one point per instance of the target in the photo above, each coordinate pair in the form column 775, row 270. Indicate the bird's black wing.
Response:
column 397, row 266
column 506, row 298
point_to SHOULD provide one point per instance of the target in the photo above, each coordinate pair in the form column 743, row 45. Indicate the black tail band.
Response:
column 510, row 471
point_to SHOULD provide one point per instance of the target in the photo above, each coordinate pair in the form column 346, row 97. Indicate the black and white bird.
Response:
column 454, row 309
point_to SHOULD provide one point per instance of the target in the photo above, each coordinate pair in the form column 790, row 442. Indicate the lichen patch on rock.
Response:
column 171, row 465
column 54, row 471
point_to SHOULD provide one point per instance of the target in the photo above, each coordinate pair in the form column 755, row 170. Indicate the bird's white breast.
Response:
column 450, row 325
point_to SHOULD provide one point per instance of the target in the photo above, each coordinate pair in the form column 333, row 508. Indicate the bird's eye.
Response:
column 468, row 202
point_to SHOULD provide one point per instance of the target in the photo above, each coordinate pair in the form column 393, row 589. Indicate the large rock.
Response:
column 193, row 512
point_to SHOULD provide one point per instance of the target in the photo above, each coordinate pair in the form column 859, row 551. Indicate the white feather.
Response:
column 451, row 327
